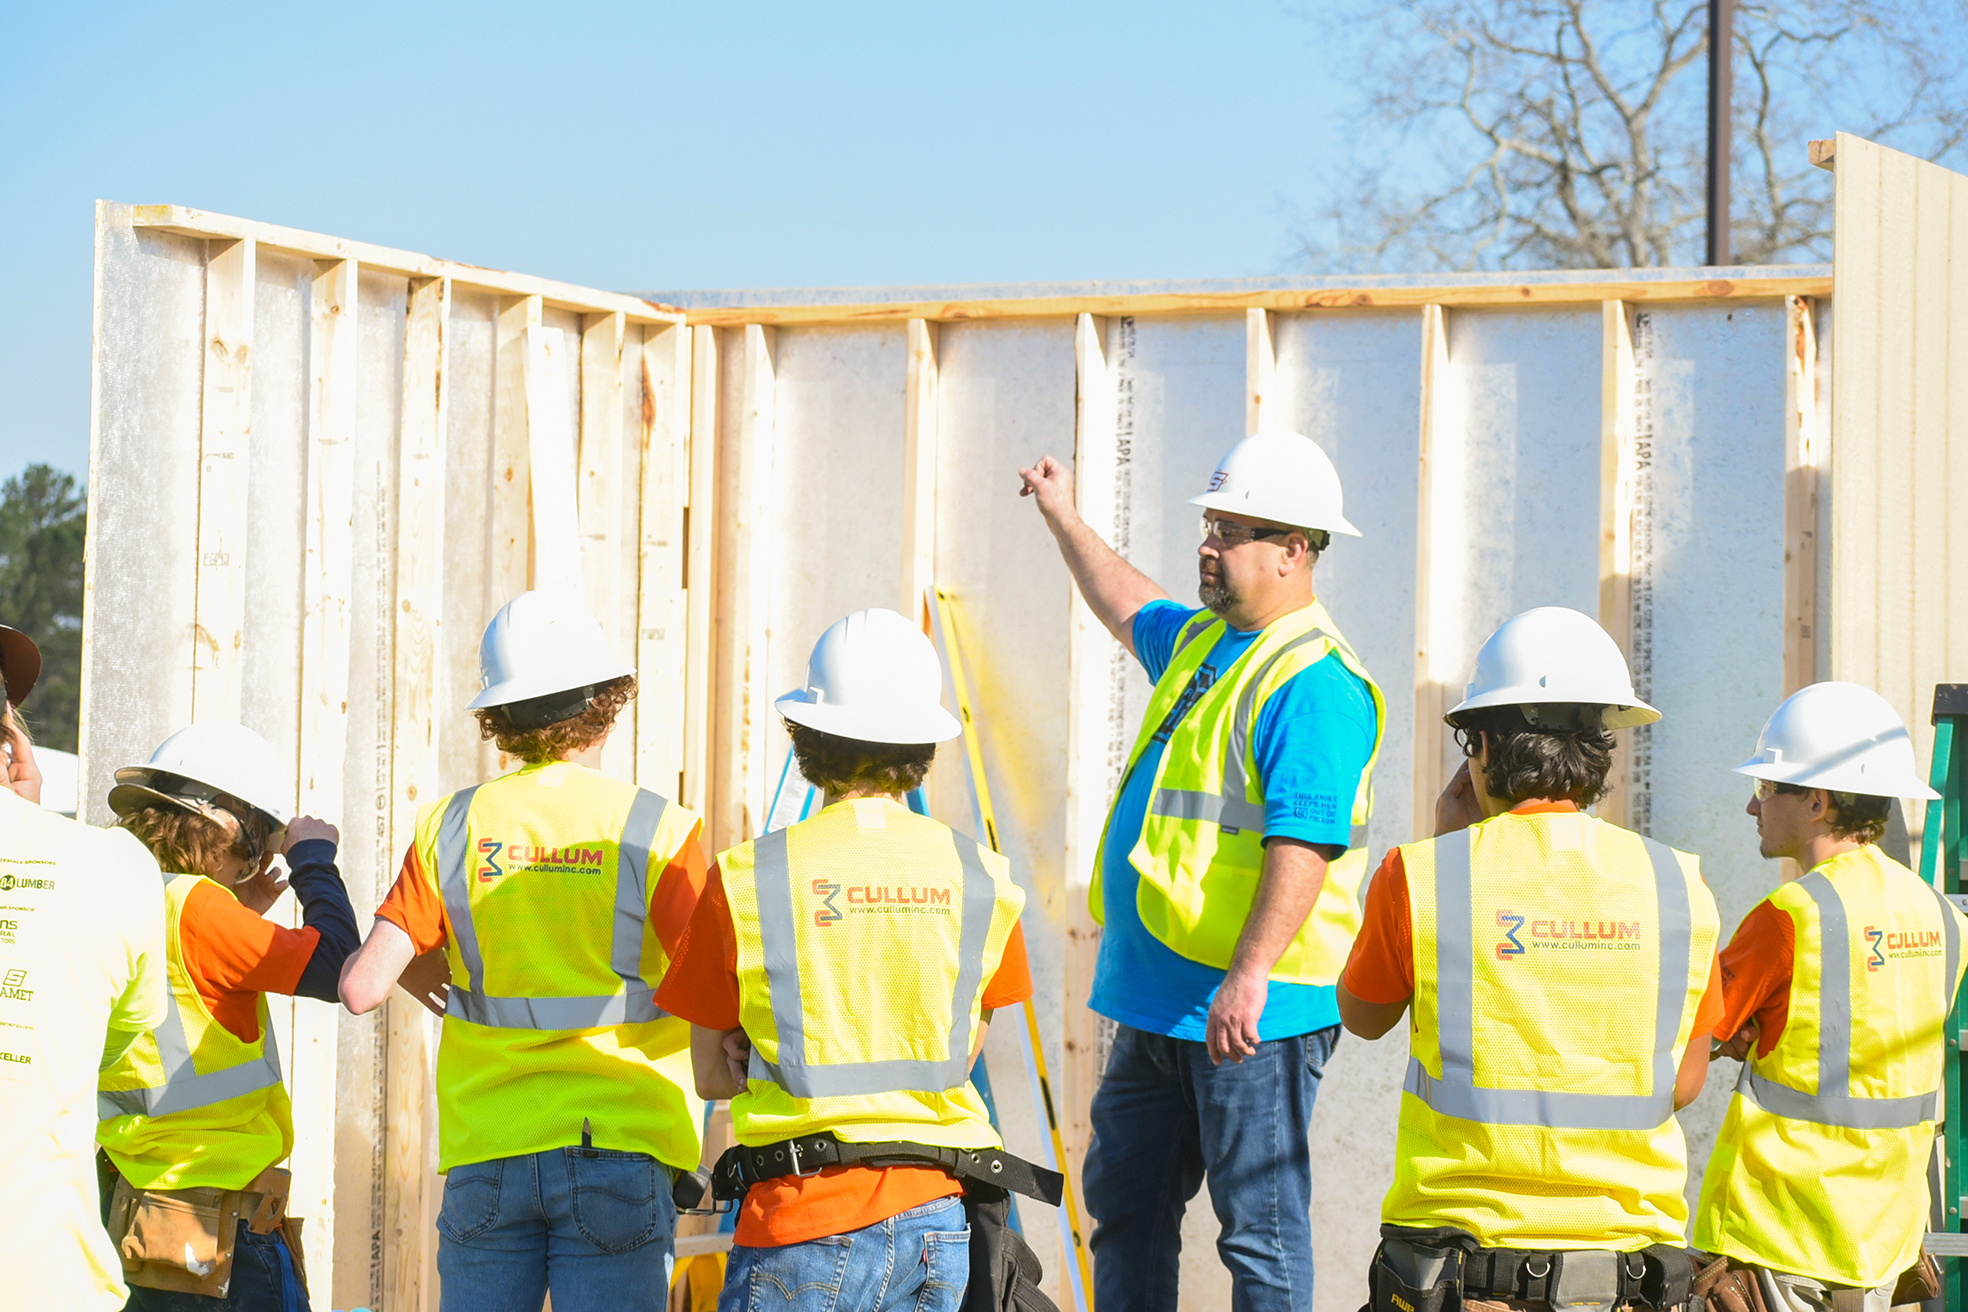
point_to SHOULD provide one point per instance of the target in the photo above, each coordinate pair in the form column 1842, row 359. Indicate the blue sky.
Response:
column 659, row 145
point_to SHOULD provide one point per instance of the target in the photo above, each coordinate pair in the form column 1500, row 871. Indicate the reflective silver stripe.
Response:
column 1231, row 810
column 772, row 871
column 1193, row 629
column 634, row 1004
column 1834, row 1104
column 1455, row 1093
column 184, row 1088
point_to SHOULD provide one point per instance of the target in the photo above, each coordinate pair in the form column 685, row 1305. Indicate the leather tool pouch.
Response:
column 181, row 1240
column 1415, row 1276
column 1919, row 1282
column 1004, row 1271
column 1728, row 1288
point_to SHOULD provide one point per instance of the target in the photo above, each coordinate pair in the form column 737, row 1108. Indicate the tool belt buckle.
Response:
column 793, row 1146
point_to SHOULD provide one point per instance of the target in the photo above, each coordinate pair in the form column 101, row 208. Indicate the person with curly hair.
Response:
column 1836, row 993
column 196, row 1118
column 548, row 901
column 1558, row 975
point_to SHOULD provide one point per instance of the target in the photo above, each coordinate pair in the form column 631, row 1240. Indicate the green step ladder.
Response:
column 1942, row 856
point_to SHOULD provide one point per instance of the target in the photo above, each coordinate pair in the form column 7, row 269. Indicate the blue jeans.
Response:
column 918, row 1260
column 595, row 1226
column 263, row 1280
column 1164, row 1120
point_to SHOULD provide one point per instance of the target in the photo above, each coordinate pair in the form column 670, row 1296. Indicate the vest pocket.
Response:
column 471, row 1200
column 616, row 1197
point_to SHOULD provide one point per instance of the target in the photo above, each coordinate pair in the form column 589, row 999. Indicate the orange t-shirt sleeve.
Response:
column 233, row 954
column 1756, row 969
column 1381, row 968
column 1012, row 982
column 701, row 984
column 414, row 905
column 674, row 898
column 1708, row 1011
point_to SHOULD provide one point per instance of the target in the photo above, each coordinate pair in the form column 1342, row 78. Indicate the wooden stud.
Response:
column 550, row 452
column 919, row 473
column 661, row 646
column 224, row 451
column 1801, row 453
column 1094, row 664
column 1276, row 299
column 509, row 528
column 409, row 1255
column 744, row 759
column 600, row 492
column 1616, row 454
column 326, row 581
column 1260, row 370
column 1431, row 621
column 700, row 692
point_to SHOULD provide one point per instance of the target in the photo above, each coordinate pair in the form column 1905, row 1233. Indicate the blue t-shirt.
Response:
column 1312, row 740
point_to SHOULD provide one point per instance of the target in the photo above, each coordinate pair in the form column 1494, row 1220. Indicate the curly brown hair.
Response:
column 562, row 738
column 1562, row 765
column 183, row 842
column 1855, row 817
column 834, row 764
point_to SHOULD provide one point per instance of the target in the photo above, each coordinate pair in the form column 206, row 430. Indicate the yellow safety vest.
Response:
column 1559, row 961
column 552, row 1021
column 1201, row 849
column 190, row 1105
column 1821, row 1166
column 866, row 935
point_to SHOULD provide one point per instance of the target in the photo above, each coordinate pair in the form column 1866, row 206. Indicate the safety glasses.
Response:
column 1226, row 534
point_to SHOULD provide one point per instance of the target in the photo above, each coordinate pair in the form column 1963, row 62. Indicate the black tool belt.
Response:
column 1433, row 1270
column 741, row 1167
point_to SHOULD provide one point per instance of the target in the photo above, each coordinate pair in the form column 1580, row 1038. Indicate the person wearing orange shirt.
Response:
column 1559, row 977
column 1836, row 990
column 838, row 976
column 195, row 1117
column 550, row 898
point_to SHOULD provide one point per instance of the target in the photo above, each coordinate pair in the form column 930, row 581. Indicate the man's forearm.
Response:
column 1294, row 873
column 1114, row 590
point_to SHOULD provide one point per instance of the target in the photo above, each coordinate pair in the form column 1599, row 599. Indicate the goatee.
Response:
column 1216, row 596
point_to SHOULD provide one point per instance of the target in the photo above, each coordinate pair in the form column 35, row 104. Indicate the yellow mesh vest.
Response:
column 546, row 874
column 1821, row 1165
column 1559, row 961
column 1201, row 849
column 865, row 935
column 190, row 1106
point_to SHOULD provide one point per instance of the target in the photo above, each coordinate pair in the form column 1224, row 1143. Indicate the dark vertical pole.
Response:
column 1721, row 48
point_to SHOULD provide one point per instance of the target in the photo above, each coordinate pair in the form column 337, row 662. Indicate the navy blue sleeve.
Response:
column 1313, row 740
column 325, row 909
column 1156, row 627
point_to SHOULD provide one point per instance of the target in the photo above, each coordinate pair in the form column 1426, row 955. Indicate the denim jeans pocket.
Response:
column 471, row 1200
column 946, row 1254
column 1319, row 1046
column 617, row 1197
column 805, row 1276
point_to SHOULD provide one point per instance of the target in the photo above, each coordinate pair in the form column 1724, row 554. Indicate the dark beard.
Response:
column 1216, row 596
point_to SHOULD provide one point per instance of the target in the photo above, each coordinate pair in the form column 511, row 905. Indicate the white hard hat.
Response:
column 873, row 676
column 1554, row 656
column 1840, row 737
column 1280, row 476
column 195, row 764
column 539, row 644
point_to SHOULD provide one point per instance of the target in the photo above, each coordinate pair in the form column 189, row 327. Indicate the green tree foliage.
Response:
column 43, row 520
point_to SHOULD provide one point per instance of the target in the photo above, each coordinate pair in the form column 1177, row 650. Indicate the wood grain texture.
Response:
column 1803, row 443
column 1260, row 370
column 1429, row 627
column 550, row 450
column 919, row 473
column 410, row 1245
column 1616, row 454
column 1334, row 299
column 700, row 584
column 663, row 366
column 224, row 476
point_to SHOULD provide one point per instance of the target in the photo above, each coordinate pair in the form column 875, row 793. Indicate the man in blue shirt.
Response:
column 1228, row 879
